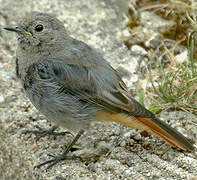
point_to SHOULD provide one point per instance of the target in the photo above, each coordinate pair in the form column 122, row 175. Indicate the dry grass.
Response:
column 177, row 83
column 174, row 83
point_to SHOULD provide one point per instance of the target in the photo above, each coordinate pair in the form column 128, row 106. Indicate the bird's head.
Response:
column 38, row 29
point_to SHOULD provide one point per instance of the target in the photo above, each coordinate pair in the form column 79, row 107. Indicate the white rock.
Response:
column 182, row 57
column 2, row 99
column 126, row 33
column 138, row 50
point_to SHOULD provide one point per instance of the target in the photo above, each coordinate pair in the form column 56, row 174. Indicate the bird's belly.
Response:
column 66, row 113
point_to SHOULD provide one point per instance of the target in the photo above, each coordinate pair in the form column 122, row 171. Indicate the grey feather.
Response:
column 63, row 74
column 67, row 80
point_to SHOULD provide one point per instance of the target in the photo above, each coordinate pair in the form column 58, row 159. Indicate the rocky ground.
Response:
column 110, row 151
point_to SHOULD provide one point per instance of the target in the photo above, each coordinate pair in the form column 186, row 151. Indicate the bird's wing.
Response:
column 100, row 85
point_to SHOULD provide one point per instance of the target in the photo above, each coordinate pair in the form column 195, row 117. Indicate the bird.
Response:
column 73, row 85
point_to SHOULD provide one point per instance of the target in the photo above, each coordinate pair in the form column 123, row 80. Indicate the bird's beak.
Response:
column 17, row 29
column 13, row 28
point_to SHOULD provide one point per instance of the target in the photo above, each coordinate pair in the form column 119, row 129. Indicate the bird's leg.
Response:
column 63, row 156
column 43, row 132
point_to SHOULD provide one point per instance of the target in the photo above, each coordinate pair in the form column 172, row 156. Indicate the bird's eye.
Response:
column 39, row 28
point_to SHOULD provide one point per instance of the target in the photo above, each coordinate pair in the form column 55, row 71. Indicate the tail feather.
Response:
column 169, row 134
column 158, row 127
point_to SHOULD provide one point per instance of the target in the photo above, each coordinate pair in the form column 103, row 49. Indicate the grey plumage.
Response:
column 71, row 83
column 61, row 75
column 49, row 90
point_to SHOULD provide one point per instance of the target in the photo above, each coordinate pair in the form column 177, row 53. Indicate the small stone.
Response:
column 123, row 144
column 138, row 136
column 159, row 152
column 138, row 50
column 182, row 57
column 126, row 33
column 2, row 99
column 127, row 135
column 84, row 171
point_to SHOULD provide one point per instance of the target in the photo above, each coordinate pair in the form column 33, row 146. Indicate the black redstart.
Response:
column 71, row 84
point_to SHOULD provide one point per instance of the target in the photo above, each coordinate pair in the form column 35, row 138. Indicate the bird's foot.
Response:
column 43, row 132
column 55, row 160
column 63, row 156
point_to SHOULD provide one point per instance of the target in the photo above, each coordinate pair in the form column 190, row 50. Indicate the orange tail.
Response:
column 169, row 134
column 158, row 127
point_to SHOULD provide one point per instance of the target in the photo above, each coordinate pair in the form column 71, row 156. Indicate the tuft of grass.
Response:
column 177, row 86
column 140, row 96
